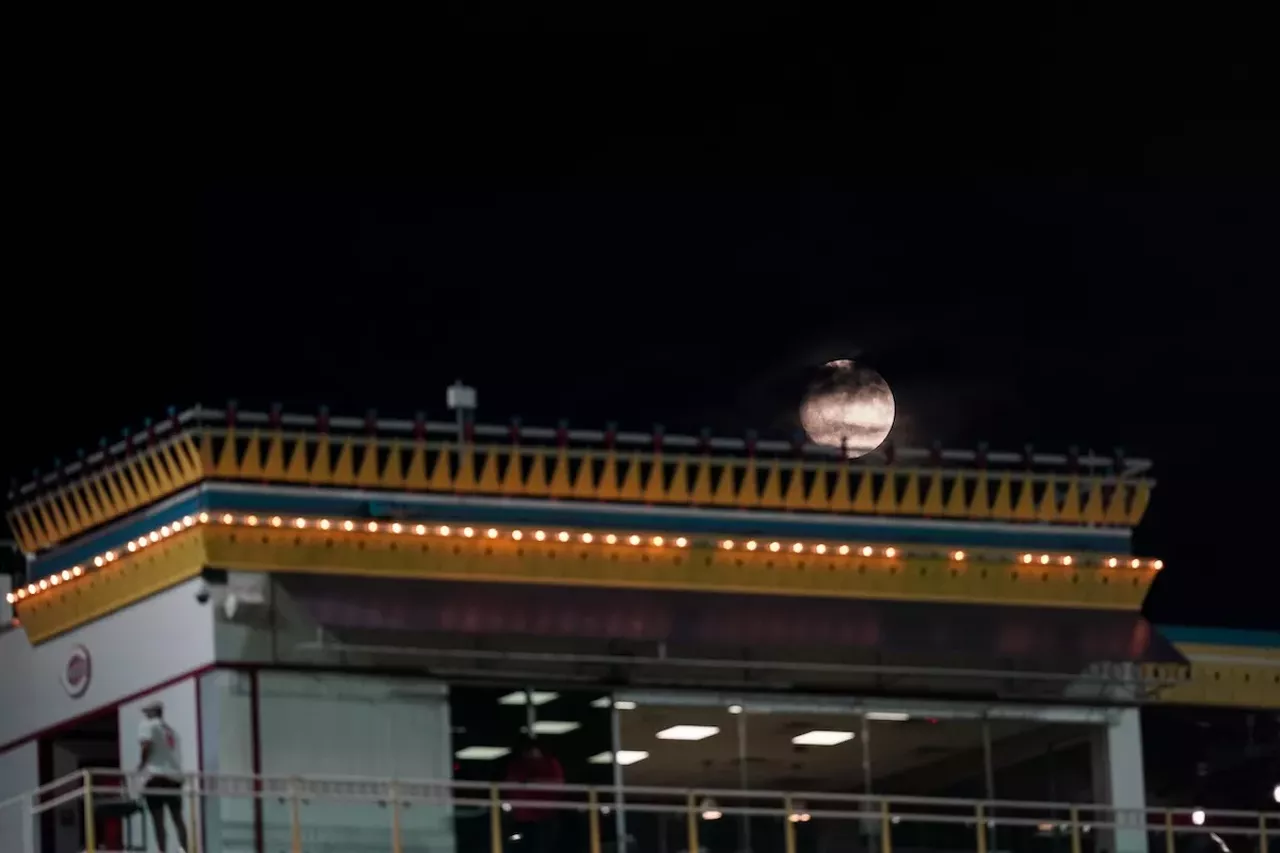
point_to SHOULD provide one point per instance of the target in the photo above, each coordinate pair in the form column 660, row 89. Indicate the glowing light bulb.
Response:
column 611, row 539
column 299, row 523
column 98, row 561
column 77, row 571
column 517, row 535
column 372, row 527
column 540, row 535
column 681, row 542
column 588, row 538
column 251, row 520
column 110, row 555
column 634, row 539
column 188, row 520
column 658, row 540
column 844, row 550
column 727, row 544
column 227, row 519
column 420, row 529
column 142, row 541
column 204, row 517
column 44, row 584
column 866, row 551
column 444, row 530
column 798, row 547
column 165, row 531
column 891, row 552
column 491, row 533
column 958, row 556
column 1066, row 561
column 133, row 546
column 563, row 536
column 820, row 548
column 752, row 545
column 153, row 536
column 468, row 532
column 1026, row 558
column 775, row 546
column 66, row 574
column 396, row 527
column 1157, row 564
column 1135, row 563
column 1044, row 559
column 323, row 524
column 1112, row 563
column 276, row 521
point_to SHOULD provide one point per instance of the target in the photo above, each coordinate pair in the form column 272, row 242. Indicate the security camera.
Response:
column 202, row 593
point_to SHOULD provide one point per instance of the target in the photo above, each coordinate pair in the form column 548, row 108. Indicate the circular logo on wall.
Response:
column 77, row 672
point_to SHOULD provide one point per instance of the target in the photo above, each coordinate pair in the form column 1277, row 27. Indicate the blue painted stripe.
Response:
column 272, row 500
column 1221, row 636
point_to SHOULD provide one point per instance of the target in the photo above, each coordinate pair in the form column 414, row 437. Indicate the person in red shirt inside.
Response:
column 538, row 828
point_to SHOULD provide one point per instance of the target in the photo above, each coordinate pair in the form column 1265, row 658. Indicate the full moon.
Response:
column 848, row 406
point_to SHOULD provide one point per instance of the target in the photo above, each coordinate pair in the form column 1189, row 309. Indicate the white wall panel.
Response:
column 19, row 775
column 355, row 726
column 181, row 715
column 131, row 651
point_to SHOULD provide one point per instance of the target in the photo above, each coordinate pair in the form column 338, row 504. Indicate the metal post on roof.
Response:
column 461, row 399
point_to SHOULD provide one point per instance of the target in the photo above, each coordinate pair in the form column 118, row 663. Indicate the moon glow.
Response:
column 848, row 406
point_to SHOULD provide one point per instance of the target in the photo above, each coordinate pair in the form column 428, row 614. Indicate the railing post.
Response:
column 886, row 842
column 396, row 842
column 295, row 817
column 789, row 826
column 29, row 824
column 593, row 820
column 1075, row 829
column 193, row 824
column 495, row 820
column 691, row 822
column 1168, row 831
column 1262, row 833
column 980, row 816
column 90, row 830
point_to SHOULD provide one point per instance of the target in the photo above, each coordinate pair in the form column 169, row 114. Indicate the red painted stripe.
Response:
column 72, row 722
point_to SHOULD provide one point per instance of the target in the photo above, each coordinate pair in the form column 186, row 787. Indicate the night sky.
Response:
column 642, row 248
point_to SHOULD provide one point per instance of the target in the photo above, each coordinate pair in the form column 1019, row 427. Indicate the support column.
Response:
column 1119, row 781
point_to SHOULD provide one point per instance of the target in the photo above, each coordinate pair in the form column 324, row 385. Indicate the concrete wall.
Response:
column 369, row 727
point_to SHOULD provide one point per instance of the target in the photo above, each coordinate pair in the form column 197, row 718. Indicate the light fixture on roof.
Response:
column 1197, row 817
column 625, row 757
column 1275, row 794
column 688, row 733
column 888, row 716
column 735, row 709
column 534, row 697
column 709, row 809
column 554, row 727
column 820, row 737
column 481, row 753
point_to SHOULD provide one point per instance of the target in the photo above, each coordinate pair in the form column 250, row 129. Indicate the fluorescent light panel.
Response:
column 539, row 697
column 822, row 738
column 554, row 727
column 688, row 733
column 888, row 716
column 621, row 704
column 625, row 757
column 481, row 753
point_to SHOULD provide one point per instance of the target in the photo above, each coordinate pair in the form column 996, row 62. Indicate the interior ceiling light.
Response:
column 822, row 738
column 481, row 753
column 888, row 716
column 625, row 757
column 606, row 702
column 554, row 727
column 688, row 733
column 536, row 697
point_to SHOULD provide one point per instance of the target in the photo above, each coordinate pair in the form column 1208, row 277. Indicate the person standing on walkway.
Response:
column 160, row 768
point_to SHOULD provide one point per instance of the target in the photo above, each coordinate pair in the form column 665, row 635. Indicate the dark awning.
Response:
column 980, row 636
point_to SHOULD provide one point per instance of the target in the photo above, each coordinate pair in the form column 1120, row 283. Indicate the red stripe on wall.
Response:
column 72, row 722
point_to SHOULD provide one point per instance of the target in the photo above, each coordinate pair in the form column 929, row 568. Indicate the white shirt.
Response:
column 165, row 758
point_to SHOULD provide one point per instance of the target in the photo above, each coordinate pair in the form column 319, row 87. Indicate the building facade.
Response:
column 318, row 597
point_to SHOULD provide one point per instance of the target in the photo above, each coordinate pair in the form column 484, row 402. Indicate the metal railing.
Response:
column 233, row 813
